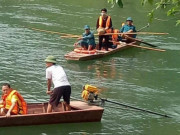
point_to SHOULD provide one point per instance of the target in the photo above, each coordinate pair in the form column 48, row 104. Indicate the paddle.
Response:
column 140, row 41
column 132, row 33
column 151, row 33
column 143, row 27
column 136, row 108
column 70, row 36
column 138, row 46
column 52, row 32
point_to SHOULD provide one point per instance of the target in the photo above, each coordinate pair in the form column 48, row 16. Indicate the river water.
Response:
column 138, row 77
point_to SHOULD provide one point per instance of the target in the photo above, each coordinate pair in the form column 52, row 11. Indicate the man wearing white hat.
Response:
column 57, row 75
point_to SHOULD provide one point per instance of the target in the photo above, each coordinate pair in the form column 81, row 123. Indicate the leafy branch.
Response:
column 173, row 7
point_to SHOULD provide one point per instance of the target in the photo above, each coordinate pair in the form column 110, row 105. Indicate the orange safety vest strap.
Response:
column 9, row 103
column 23, row 103
column 115, row 36
column 107, row 22
column 3, row 98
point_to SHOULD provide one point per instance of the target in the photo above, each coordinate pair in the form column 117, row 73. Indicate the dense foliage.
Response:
column 173, row 7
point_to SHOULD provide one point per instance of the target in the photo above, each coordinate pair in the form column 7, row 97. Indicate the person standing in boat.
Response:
column 13, row 103
column 104, row 25
column 87, row 41
column 128, row 28
column 55, row 74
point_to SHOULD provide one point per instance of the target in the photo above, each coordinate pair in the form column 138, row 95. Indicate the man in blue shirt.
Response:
column 87, row 41
column 128, row 28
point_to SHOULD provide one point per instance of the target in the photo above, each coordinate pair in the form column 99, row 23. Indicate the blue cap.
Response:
column 129, row 19
column 86, row 27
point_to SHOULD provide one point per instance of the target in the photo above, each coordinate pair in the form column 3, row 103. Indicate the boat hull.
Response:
column 81, row 112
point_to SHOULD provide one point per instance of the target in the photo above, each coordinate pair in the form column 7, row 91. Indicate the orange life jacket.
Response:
column 18, row 109
column 3, row 98
column 115, row 36
column 107, row 23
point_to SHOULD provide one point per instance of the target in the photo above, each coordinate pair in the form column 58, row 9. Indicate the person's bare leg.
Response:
column 90, row 47
column 2, row 112
column 63, row 107
column 49, row 108
column 67, row 107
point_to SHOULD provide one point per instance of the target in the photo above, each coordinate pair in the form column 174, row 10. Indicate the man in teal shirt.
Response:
column 129, row 27
column 87, row 41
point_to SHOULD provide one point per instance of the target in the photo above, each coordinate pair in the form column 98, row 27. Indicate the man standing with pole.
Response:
column 104, row 23
column 55, row 74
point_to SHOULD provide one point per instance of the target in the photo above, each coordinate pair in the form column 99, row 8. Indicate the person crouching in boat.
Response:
column 114, row 38
column 13, row 102
column 128, row 28
column 87, row 41
column 55, row 74
column 104, row 24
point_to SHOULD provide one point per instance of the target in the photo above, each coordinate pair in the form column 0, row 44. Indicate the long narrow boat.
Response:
column 81, row 112
column 78, row 56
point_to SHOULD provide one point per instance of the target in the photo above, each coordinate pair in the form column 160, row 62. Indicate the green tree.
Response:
column 173, row 7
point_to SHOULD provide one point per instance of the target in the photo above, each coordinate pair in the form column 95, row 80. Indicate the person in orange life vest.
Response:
column 128, row 28
column 104, row 21
column 2, row 101
column 114, row 39
column 14, row 103
column 87, row 41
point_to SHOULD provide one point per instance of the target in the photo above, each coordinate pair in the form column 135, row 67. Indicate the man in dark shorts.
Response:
column 55, row 74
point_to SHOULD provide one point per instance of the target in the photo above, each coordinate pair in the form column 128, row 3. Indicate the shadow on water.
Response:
column 60, row 129
column 105, row 67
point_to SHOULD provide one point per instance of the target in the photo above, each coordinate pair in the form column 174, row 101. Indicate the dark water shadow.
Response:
column 54, row 129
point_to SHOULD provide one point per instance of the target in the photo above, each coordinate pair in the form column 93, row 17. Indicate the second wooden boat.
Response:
column 78, row 56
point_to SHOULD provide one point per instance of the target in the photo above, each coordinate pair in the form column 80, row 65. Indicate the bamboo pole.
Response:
column 154, row 49
column 70, row 36
column 144, row 47
column 143, row 33
column 135, row 39
column 52, row 32
column 132, row 33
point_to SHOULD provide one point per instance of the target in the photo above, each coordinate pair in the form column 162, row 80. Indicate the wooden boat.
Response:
column 81, row 112
column 77, row 56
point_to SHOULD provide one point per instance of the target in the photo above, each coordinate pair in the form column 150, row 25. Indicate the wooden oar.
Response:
column 144, row 47
column 143, row 27
column 151, row 33
column 129, row 33
column 52, row 32
column 70, row 36
column 134, row 39
column 154, row 49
